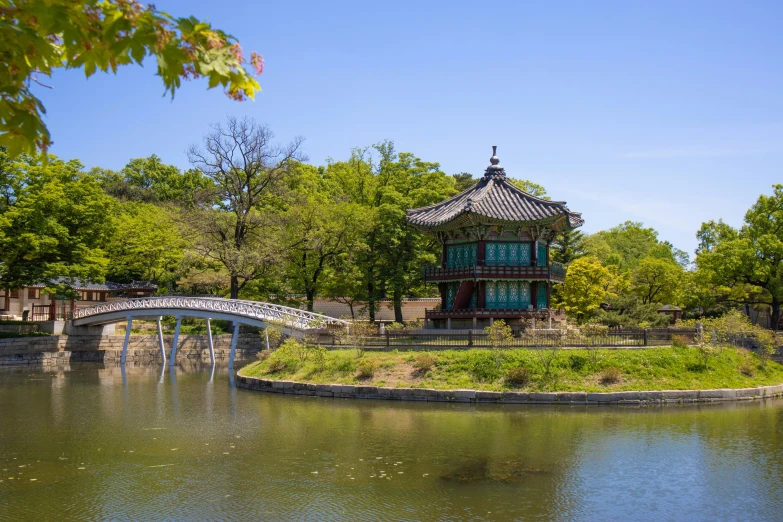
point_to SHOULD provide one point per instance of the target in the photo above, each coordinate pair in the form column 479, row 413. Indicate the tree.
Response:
column 463, row 181
column 625, row 245
column 534, row 189
column 746, row 265
column 390, row 253
column 587, row 284
column 567, row 246
column 146, row 245
column 40, row 36
column 55, row 225
column 149, row 180
column 318, row 231
column 656, row 280
column 246, row 169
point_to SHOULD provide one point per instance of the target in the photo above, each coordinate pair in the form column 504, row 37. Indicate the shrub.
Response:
column 577, row 362
column 424, row 363
column 277, row 365
column 680, row 341
column 518, row 377
column 748, row 368
column 264, row 354
column 483, row 367
column 610, row 375
column 365, row 369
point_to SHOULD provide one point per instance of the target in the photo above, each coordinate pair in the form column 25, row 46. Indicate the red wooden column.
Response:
column 481, row 253
column 480, row 295
column 534, row 294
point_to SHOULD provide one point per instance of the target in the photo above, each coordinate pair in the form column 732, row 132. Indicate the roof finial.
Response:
column 495, row 169
column 494, row 159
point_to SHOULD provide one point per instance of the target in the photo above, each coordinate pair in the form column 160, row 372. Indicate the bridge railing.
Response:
column 268, row 312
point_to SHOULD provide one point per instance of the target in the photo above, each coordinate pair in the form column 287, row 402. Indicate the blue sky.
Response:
column 669, row 113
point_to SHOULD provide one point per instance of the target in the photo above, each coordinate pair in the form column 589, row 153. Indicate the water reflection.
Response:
column 192, row 446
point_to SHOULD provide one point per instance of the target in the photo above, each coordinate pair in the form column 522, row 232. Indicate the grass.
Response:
column 664, row 368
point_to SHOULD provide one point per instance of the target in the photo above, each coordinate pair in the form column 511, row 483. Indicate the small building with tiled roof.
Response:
column 49, row 306
column 495, row 241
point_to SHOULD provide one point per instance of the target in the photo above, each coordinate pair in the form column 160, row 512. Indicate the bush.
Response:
column 483, row 367
column 577, row 362
column 264, row 354
column 278, row 365
column 680, row 341
column 748, row 368
column 518, row 377
column 610, row 375
column 424, row 363
column 365, row 369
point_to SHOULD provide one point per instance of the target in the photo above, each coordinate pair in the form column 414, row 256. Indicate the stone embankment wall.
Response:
column 108, row 348
column 629, row 398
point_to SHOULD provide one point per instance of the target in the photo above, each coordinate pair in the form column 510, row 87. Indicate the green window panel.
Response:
column 504, row 253
column 541, row 255
column 507, row 294
column 541, row 298
column 461, row 255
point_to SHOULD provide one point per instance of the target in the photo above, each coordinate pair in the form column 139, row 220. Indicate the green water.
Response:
column 89, row 443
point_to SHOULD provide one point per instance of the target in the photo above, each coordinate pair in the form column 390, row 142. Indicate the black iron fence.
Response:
column 527, row 339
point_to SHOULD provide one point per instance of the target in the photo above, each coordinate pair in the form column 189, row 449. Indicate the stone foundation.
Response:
column 626, row 398
column 108, row 348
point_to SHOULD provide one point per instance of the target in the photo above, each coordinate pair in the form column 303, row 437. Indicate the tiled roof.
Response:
column 76, row 284
column 494, row 197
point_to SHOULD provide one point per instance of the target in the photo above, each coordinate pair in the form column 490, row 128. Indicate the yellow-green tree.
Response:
column 588, row 283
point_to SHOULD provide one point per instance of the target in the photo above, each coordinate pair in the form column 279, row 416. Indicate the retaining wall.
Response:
column 108, row 348
column 629, row 398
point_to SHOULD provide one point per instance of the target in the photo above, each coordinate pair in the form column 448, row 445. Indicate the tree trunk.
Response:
column 310, row 298
column 397, row 295
column 234, row 287
column 371, row 299
column 775, row 315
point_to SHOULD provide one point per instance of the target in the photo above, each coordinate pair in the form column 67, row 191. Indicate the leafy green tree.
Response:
column 567, row 246
column 149, row 180
column 625, row 245
column 318, row 231
column 534, row 189
column 588, row 283
column 40, row 36
column 391, row 253
column 463, row 181
column 146, row 245
column 656, row 280
column 56, row 225
column 746, row 265
column 237, row 229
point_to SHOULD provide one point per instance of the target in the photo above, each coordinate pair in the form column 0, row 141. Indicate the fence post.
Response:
column 470, row 337
column 645, row 337
column 387, row 337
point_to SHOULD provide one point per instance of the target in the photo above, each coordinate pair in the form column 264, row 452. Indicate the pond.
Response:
column 95, row 442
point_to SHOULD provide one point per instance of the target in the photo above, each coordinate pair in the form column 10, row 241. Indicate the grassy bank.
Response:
column 683, row 368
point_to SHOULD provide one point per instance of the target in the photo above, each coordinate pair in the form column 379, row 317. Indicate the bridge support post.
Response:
column 127, row 339
column 160, row 341
column 176, row 342
column 209, row 341
column 233, row 352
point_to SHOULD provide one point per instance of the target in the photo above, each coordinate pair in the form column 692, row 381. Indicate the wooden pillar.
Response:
column 534, row 253
column 534, row 294
column 481, row 301
column 443, row 288
column 547, row 253
column 7, row 300
column 443, row 255
column 481, row 250
column 52, row 307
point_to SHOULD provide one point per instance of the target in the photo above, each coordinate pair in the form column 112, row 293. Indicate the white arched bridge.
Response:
column 253, row 313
